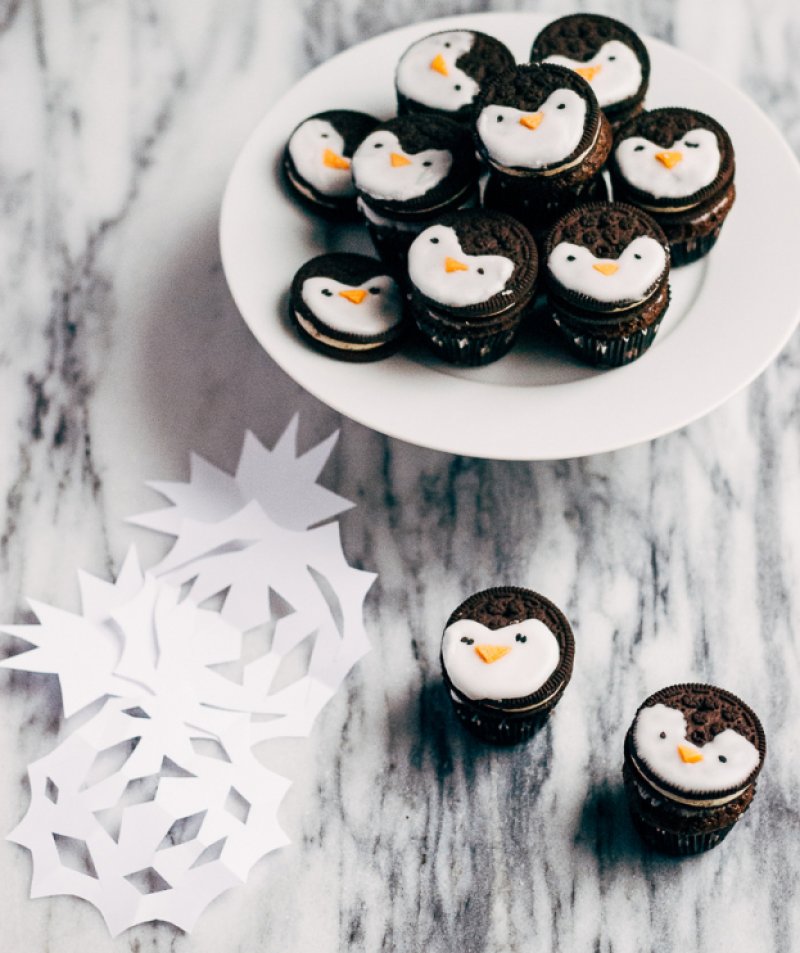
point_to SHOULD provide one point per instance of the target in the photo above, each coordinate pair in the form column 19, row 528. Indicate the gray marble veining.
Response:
column 122, row 351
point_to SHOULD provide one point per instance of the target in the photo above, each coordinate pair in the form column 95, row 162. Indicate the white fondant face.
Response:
column 627, row 278
column 382, row 169
column 723, row 764
column 317, row 151
column 512, row 662
column 532, row 140
column 444, row 273
column 614, row 72
column 366, row 309
column 690, row 164
column 427, row 72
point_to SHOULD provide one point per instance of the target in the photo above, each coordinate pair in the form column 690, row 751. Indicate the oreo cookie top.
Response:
column 347, row 301
column 608, row 54
column 537, row 117
column 317, row 159
column 477, row 263
column 606, row 256
column 443, row 72
column 415, row 164
column 697, row 743
column 672, row 159
column 507, row 645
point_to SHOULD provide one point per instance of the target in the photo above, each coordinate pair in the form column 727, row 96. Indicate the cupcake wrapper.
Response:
column 392, row 244
column 679, row 845
column 468, row 351
column 497, row 728
column 693, row 249
column 603, row 351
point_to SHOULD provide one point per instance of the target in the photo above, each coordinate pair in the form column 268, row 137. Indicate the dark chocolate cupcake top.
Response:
column 444, row 71
column 672, row 158
column 606, row 255
column 319, row 152
column 348, row 297
column 475, row 262
column 608, row 54
column 697, row 741
column 536, row 117
column 414, row 163
column 507, row 645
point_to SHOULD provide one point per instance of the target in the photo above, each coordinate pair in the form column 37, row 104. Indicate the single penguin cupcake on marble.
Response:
column 471, row 277
column 318, row 157
column 609, row 55
column 507, row 656
column 677, row 164
column 607, row 281
column 692, row 756
column 348, row 306
column 407, row 172
column 443, row 73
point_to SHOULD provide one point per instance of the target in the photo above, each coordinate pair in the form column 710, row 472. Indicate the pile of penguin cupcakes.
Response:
column 488, row 199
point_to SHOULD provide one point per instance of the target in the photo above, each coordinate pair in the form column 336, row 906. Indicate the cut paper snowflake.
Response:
column 157, row 804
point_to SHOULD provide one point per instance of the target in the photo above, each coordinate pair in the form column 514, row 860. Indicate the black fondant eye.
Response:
column 692, row 145
column 570, row 258
column 561, row 106
column 637, row 256
column 521, row 638
column 466, row 640
column 723, row 759
column 611, row 59
column 327, row 292
column 427, row 163
column 457, row 87
column 374, row 290
column 499, row 118
column 378, row 145
column 324, row 135
column 639, row 148
column 434, row 241
column 481, row 271
column 663, row 734
column 447, row 46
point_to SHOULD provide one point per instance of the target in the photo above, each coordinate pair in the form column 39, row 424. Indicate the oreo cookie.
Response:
column 348, row 306
column 317, row 161
column 607, row 281
column 609, row 55
column 677, row 164
column 471, row 277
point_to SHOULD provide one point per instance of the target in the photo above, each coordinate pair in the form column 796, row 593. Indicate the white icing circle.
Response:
column 697, row 167
column 617, row 72
column 638, row 268
column 520, row 672
column 662, row 757
column 379, row 310
column 307, row 149
column 509, row 142
column 444, row 273
column 427, row 71
column 412, row 174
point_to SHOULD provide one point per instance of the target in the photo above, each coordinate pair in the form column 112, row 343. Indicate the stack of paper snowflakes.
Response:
column 156, row 804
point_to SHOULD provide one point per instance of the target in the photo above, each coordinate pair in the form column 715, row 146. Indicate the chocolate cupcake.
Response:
column 544, row 138
column 606, row 53
column 443, row 73
column 677, row 164
column 471, row 277
column 407, row 172
column 607, row 281
column 347, row 306
column 692, row 756
column 317, row 161
column 506, row 658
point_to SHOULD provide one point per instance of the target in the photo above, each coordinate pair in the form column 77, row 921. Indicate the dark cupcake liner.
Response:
column 392, row 244
column 465, row 347
column 604, row 350
column 693, row 249
column 498, row 728
column 678, row 845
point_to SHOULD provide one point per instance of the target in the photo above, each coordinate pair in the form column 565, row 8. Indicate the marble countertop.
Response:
column 677, row 560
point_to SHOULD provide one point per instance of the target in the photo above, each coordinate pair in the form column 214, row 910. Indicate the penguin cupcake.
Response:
column 348, row 306
column 317, row 161
column 407, row 172
column 678, row 165
column 506, row 657
column 692, row 756
column 606, row 53
column 442, row 73
column 471, row 277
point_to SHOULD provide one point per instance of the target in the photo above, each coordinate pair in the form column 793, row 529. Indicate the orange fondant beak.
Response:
column 689, row 755
column 606, row 267
column 356, row 295
column 397, row 160
column 438, row 64
column 334, row 161
column 491, row 653
column 531, row 120
column 669, row 157
column 453, row 264
column 588, row 72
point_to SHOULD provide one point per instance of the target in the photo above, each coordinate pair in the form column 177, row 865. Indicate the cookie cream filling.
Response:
column 309, row 328
column 689, row 802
